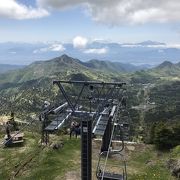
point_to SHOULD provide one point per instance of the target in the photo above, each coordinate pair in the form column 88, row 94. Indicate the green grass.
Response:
column 47, row 163
column 143, row 164
column 176, row 152
column 12, row 156
column 155, row 172
column 148, row 165
column 56, row 163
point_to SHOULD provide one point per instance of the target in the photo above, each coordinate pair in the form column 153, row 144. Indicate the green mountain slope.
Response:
column 167, row 69
column 42, row 69
column 109, row 66
column 105, row 66
column 60, row 67
column 25, row 90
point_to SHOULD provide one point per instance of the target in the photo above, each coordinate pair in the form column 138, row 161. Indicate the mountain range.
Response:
column 65, row 66
column 25, row 89
column 148, row 52
column 167, row 69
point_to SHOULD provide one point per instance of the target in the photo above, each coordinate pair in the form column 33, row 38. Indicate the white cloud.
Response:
column 160, row 50
column 57, row 47
column 131, row 45
column 96, row 51
column 80, row 42
column 122, row 11
column 158, row 46
column 53, row 47
column 162, row 46
column 40, row 50
column 13, row 9
column 12, row 52
column 173, row 46
column 177, row 46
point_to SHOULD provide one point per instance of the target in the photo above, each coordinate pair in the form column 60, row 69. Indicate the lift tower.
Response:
column 101, row 96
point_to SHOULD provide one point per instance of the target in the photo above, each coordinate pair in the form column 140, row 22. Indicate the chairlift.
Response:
column 118, row 136
column 106, row 170
column 111, row 171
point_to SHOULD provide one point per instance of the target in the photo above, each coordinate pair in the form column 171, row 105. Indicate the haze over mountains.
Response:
column 148, row 52
column 6, row 67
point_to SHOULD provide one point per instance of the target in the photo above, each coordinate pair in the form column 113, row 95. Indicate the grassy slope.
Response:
column 50, row 163
column 143, row 163
column 10, row 157
column 54, row 164
column 148, row 165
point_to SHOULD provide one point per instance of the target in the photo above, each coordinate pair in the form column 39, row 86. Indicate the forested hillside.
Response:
column 24, row 90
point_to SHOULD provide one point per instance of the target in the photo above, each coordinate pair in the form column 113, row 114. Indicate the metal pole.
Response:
column 86, row 149
column 107, row 136
column 89, row 82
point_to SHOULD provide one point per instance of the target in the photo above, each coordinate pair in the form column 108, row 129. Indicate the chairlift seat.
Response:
column 111, row 176
column 100, row 127
column 56, row 124
column 103, row 123
column 99, row 132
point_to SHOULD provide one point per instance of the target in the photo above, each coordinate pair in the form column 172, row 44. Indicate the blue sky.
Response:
column 84, row 29
column 63, row 21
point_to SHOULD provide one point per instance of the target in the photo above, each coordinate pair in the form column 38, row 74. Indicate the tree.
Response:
column 163, row 138
column 176, row 135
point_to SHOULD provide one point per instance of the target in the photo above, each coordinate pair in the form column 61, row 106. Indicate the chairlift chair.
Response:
column 105, row 172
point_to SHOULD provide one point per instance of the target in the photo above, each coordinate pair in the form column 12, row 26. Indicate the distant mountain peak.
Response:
column 65, row 59
column 149, row 42
column 178, row 64
column 64, row 56
column 167, row 69
column 165, row 64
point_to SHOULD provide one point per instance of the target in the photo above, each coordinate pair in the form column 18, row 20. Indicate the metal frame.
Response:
column 91, row 117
